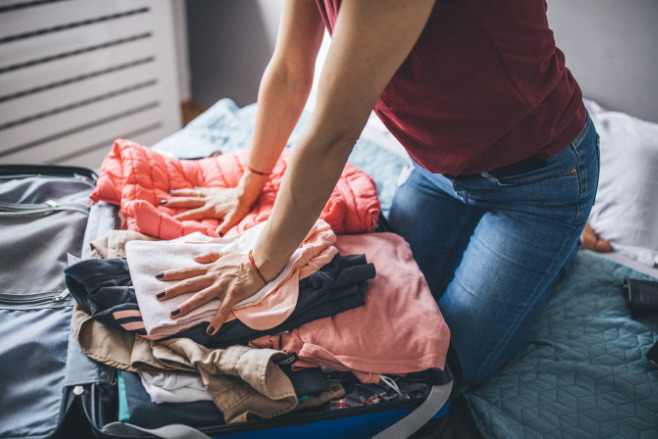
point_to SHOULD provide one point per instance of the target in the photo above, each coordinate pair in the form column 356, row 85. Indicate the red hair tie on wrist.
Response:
column 253, row 264
column 253, row 171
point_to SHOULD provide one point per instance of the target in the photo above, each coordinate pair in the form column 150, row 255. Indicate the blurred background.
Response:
column 77, row 74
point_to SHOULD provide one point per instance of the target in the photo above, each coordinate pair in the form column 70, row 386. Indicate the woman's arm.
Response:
column 286, row 83
column 370, row 41
column 282, row 95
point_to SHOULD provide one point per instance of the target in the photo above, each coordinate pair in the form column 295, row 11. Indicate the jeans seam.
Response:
column 511, row 329
column 581, row 184
column 589, row 125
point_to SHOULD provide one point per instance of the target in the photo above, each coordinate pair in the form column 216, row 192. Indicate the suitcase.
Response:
column 43, row 219
column 52, row 389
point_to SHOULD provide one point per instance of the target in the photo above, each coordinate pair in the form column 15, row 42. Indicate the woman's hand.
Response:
column 228, row 277
column 224, row 204
column 229, row 205
column 592, row 241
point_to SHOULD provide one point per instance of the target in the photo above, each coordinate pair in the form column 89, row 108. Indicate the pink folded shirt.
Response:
column 399, row 330
column 269, row 307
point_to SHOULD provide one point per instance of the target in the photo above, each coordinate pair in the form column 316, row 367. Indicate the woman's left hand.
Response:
column 228, row 277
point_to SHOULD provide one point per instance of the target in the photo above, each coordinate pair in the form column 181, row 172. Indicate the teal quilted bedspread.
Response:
column 582, row 372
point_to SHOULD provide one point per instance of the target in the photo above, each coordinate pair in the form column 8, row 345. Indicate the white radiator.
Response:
column 77, row 74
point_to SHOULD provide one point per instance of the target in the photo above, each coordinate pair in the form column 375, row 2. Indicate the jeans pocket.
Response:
column 554, row 168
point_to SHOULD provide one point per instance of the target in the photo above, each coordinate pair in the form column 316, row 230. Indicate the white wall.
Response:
column 611, row 47
column 179, row 15
column 230, row 43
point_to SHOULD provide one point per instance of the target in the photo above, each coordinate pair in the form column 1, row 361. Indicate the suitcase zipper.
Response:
column 61, row 296
column 33, row 299
column 16, row 209
column 12, row 172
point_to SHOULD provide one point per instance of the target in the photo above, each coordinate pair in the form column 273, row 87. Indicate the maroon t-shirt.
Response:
column 483, row 87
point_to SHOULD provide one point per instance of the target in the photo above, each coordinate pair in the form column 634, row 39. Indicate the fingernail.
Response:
column 221, row 235
column 164, row 202
column 175, row 312
column 159, row 275
column 160, row 294
column 211, row 330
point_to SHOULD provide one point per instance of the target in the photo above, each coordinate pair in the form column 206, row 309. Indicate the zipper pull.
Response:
column 62, row 296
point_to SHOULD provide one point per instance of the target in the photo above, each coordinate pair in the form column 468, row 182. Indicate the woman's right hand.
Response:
column 229, row 277
column 229, row 205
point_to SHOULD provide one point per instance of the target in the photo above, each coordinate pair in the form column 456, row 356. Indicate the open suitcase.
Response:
column 44, row 214
column 50, row 388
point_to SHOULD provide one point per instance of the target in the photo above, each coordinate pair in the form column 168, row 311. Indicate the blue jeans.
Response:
column 492, row 246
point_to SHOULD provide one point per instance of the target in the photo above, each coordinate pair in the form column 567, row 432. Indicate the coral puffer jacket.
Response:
column 137, row 178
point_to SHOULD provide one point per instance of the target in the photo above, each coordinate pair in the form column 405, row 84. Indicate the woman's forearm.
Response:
column 311, row 177
column 282, row 95
column 286, row 83
column 281, row 99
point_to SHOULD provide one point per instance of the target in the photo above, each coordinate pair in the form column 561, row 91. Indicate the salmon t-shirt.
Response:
column 399, row 330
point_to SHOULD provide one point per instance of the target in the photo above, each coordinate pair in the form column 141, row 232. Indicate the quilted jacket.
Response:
column 137, row 178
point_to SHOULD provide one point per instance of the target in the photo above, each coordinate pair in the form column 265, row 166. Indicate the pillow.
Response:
column 626, row 209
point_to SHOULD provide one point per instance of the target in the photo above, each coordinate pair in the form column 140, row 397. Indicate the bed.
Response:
column 583, row 370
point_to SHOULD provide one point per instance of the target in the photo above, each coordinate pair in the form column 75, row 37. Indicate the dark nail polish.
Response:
column 175, row 312
column 159, row 275
column 221, row 235
column 211, row 330
column 164, row 201
column 160, row 294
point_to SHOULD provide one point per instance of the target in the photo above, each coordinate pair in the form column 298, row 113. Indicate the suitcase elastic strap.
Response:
column 405, row 427
column 408, row 425
column 171, row 431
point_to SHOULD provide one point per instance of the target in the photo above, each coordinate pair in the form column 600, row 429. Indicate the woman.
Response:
column 505, row 159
